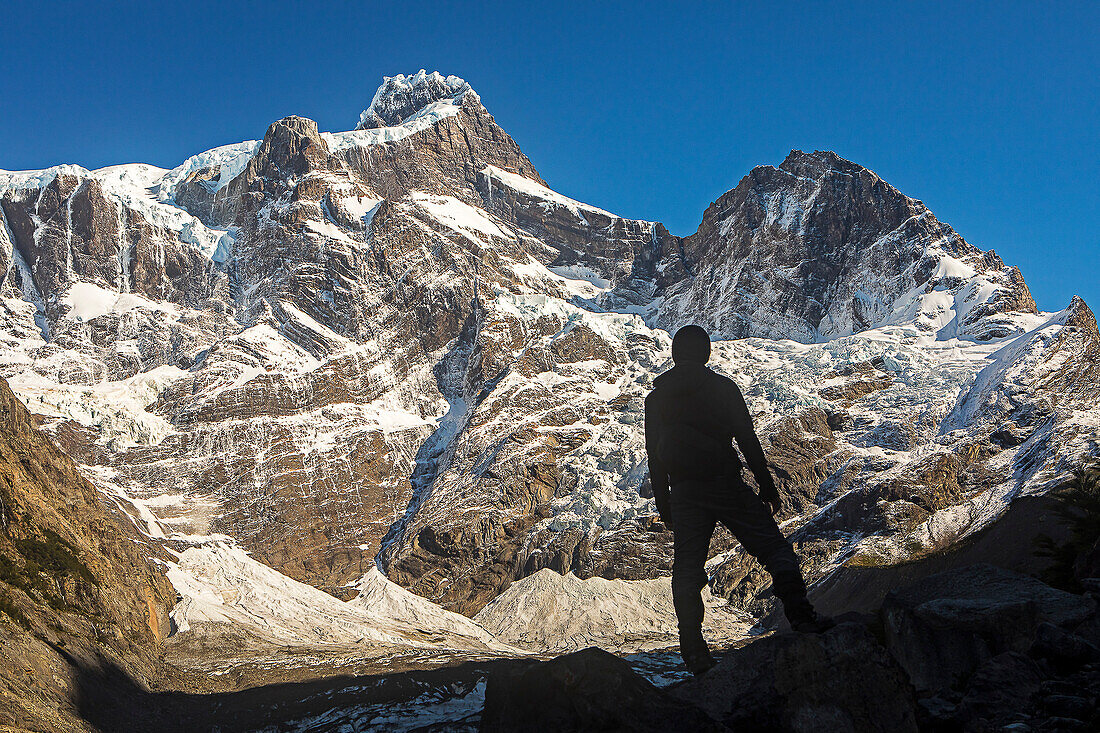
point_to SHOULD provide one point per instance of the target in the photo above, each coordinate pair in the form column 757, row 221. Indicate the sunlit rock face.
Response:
column 398, row 344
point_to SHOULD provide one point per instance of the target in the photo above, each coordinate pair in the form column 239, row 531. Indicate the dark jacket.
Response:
column 711, row 404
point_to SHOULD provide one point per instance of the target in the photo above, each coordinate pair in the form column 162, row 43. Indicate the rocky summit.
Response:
column 391, row 371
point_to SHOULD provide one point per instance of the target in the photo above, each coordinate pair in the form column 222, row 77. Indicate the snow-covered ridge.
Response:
column 18, row 180
column 230, row 160
column 149, row 190
column 422, row 120
column 494, row 175
column 401, row 97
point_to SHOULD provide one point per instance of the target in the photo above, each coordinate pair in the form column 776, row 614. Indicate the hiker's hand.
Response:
column 665, row 520
column 773, row 502
column 664, row 511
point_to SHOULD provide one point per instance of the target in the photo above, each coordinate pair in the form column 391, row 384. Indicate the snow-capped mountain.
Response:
column 397, row 343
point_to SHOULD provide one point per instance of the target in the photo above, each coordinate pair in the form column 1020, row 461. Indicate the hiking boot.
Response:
column 804, row 619
column 696, row 654
column 698, row 662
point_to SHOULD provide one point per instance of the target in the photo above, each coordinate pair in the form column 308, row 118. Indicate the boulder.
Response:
column 586, row 690
column 943, row 627
column 842, row 680
column 1000, row 692
column 1062, row 648
column 1087, row 564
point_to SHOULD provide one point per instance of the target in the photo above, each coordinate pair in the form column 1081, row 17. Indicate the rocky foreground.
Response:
column 974, row 649
column 977, row 649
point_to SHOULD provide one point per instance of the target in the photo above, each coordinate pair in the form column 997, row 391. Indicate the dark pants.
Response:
column 696, row 506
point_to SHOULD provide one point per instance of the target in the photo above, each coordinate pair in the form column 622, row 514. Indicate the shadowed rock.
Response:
column 944, row 627
column 80, row 599
column 839, row 681
column 586, row 690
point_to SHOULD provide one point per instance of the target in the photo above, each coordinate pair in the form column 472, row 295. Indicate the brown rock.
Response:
column 80, row 597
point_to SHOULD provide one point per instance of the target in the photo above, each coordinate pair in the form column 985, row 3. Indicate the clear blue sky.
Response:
column 988, row 113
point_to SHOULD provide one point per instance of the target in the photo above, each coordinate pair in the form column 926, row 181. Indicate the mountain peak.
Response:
column 291, row 145
column 401, row 97
column 812, row 165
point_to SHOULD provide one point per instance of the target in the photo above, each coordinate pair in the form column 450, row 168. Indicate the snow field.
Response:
column 222, row 586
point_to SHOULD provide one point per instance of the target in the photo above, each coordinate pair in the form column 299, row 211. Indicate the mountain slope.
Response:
column 80, row 596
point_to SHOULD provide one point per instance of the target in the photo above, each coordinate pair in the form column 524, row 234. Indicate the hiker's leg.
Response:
column 748, row 518
column 692, row 527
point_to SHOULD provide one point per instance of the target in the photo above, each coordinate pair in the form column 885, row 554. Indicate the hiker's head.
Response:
column 691, row 343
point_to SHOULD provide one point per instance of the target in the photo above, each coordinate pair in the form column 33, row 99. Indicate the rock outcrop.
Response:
column 943, row 628
column 973, row 649
column 841, row 680
column 586, row 690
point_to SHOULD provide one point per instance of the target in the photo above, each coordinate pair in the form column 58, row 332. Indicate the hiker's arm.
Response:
column 750, row 447
column 658, row 475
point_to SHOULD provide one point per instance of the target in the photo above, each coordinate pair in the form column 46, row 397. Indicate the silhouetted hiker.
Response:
column 692, row 417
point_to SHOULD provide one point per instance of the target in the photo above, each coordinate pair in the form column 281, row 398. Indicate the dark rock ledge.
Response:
column 977, row 648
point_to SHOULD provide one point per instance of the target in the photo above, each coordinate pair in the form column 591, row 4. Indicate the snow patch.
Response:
column 460, row 217
column 87, row 301
column 531, row 188
column 118, row 409
column 383, row 598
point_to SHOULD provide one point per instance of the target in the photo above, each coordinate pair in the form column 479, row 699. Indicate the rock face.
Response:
column 397, row 344
column 80, row 598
